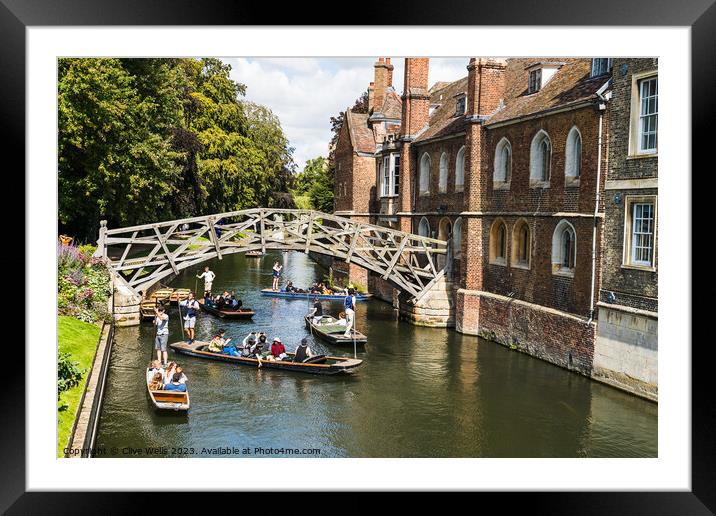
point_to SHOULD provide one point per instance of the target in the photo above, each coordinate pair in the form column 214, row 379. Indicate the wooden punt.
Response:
column 167, row 400
column 242, row 313
column 161, row 294
column 254, row 254
column 146, row 308
column 304, row 295
column 331, row 332
column 327, row 365
column 179, row 294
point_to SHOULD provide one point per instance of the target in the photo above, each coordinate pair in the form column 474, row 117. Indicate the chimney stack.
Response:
column 371, row 94
column 416, row 100
column 383, row 79
column 485, row 85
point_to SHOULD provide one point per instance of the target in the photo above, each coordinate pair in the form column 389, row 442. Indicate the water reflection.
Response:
column 421, row 392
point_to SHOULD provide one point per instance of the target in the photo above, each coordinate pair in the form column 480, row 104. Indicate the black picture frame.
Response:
column 17, row 15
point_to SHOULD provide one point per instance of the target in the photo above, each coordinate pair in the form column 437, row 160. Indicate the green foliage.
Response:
column 316, row 183
column 69, row 375
column 142, row 140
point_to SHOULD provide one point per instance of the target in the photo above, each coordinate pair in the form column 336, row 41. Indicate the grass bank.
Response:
column 80, row 339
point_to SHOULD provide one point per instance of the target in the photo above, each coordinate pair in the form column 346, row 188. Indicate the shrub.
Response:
column 83, row 285
column 68, row 375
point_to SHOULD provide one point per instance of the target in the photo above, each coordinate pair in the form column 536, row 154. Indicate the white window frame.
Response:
column 628, row 260
column 597, row 63
column 388, row 177
column 635, row 116
column 443, row 173
column 460, row 170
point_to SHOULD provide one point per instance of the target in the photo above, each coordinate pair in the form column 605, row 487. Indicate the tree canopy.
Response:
column 142, row 140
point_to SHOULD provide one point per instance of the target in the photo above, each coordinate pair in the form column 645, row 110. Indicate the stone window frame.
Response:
column 570, row 178
column 460, row 104
column 498, row 164
column 457, row 239
column 427, row 225
column 460, row 169
column 517, row 245
column 635, row 116
column 494, row 258
column 443, row 173
column 424, row 170
column 537, row 179
column 558, row 269
column 629, row 202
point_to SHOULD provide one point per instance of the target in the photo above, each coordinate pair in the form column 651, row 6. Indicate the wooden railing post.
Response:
column 101, row 245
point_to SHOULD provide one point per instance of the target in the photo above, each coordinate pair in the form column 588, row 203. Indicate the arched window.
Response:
column 540, row 158
column 573, row 154
column 564, row 249
column 424, row 227
column 503, row 162
column 521, row 244
column 460, row 170
column 424, row 174
column 498, row 242
column 442, row 183
column 457, row 239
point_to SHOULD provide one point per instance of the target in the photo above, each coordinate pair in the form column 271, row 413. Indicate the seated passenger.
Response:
column 169, row 372
column 208, row 301
column 216, row 345
column 278, row 350
column 180, row 371
column 175, row 384
column 341, row 319
column 154, row 367
column 157, row 382
column 303, row 352
column 248, row 343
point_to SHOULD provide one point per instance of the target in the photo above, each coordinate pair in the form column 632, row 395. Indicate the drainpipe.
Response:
column 602, row 106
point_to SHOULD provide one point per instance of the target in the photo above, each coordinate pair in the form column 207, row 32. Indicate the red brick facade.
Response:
column 545, row 306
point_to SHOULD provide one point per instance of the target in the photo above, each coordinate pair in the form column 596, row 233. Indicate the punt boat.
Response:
column 253, row 254
column 167, row 400
column 303, row 295
column 241, row 313
column 146, row 308
column 179, row 294
column 161, row 294
column 321, row 364
column 330, row 331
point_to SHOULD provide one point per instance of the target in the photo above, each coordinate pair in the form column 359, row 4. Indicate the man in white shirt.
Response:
column 161, row 320
column 208, row 279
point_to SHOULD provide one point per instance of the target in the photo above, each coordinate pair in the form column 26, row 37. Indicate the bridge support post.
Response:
column 436, row 308
column 126, row 303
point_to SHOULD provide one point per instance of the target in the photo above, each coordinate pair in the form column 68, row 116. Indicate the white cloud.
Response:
column 305, row 92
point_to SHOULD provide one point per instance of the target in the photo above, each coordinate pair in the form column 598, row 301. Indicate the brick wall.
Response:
column 451, row 199
column 631, row 287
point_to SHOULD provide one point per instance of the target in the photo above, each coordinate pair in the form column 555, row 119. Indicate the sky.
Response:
column 306, row 92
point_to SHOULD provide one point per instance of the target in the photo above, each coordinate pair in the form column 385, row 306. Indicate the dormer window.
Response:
column 460, row 103
column 540, row 74
column 601, row 66
column 535, row 81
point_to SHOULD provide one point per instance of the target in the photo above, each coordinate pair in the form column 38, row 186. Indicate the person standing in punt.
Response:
column 192, row 307
column 161, row 321
column 349, row 304
column 208, row 276
column 276, row 275
column 317, row 312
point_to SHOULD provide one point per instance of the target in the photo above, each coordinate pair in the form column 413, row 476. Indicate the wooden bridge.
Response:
column 143, row 255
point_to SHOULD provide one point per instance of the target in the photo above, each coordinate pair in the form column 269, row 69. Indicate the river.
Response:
column 421, row 392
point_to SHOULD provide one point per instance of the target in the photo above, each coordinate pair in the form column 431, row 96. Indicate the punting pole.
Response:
column 183, row 333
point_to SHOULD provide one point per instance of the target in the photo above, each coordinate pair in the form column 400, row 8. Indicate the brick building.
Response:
column 626, row 347
column 509, row 165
